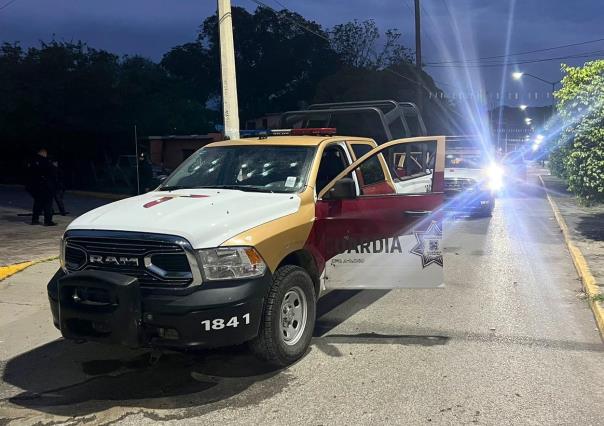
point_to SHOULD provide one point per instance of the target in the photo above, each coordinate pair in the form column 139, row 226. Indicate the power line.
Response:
column 418, row 82
column 7, row 4
column 293, row 21
column 516, row 54
column 280, row 4
column 531, row 61
column 262, row 4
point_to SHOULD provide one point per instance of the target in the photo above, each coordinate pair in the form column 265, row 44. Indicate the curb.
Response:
column 7, row 271
column 590, row 286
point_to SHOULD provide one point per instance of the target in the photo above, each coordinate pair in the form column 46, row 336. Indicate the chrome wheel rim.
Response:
column 292, row 320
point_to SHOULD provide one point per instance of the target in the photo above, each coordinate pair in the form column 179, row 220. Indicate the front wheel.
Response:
column 288, row 319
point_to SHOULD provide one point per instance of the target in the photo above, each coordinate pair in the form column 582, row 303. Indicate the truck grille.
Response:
column 455, row 185
column 155, row 260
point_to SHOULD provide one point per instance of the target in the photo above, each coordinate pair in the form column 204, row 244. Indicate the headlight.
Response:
column 494, row 174
column 228, row 263
column 494, row 171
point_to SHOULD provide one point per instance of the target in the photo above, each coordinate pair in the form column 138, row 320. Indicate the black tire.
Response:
column 270, row 344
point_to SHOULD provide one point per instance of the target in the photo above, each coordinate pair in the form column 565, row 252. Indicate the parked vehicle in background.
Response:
column 472, row 178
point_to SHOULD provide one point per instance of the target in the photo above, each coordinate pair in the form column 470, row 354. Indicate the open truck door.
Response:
column 379, row 222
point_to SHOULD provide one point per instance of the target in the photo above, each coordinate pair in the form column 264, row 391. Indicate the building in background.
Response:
column 169, row 151
column 267, row 121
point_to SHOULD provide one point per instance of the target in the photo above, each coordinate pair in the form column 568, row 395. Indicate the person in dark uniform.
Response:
column 41, row 186
column 145, row 173
column 59, row 187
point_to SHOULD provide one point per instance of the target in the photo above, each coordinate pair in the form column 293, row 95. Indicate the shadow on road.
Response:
column 68, row 379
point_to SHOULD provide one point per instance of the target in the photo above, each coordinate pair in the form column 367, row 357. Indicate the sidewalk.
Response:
column 584, row 229
column 22, row 242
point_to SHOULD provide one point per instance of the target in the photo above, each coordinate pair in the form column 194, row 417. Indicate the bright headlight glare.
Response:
column 494, row 171
column 495, row 184
column 230, row 263
column 494, row 176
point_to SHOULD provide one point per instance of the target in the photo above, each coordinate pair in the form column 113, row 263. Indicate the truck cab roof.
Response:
column 289, row 140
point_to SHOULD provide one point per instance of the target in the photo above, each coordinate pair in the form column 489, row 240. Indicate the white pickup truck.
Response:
column 472, row 179
column 239, row 242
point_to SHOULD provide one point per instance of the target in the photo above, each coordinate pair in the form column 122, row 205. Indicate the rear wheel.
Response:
column 288, row 319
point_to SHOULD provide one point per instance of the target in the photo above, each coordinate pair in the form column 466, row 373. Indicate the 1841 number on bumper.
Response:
column 221, row 323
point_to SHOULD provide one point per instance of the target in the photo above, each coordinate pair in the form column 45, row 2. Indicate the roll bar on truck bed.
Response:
column 381, row 120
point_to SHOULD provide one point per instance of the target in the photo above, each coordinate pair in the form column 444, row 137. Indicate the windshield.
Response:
column 464, row 161
column 247, row 168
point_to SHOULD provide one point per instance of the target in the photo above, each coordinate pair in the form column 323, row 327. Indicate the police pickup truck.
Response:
column 240, row 241
column 472, row 177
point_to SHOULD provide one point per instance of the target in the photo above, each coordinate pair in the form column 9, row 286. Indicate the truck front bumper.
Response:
column 112, row 308
column 472, row 202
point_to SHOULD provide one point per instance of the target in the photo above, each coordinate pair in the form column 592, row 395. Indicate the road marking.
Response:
column 7, row 271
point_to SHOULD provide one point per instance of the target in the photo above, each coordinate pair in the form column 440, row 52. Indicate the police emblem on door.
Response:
column 428, row 245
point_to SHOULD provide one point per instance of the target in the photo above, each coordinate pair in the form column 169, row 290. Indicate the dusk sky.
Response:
column 452, row 30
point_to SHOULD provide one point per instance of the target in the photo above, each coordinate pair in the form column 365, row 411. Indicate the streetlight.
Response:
column 517, row 75
column 523, row 107
column 528, row 120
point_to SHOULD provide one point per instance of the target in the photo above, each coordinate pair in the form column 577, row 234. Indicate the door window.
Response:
column 412, row 166
column 370, row 173
column 333, row 162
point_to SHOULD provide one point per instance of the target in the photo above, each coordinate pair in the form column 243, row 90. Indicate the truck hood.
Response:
column 205, row 217
column 476, row 174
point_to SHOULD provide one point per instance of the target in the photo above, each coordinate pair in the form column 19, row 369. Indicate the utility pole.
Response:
column 418, row 38
column 138, row 181
column 230, row 106
column 418, row 58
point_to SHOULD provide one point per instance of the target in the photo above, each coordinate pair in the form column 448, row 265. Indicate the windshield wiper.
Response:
column 238, row 187
column 175, row 187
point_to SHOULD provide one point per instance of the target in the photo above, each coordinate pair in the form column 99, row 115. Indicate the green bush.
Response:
column 579, row 154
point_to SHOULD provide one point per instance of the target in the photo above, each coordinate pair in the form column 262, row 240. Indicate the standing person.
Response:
column 145, row 173
column 41, row 186
column 59, row 187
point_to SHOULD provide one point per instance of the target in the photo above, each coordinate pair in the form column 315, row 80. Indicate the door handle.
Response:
column 417, row 212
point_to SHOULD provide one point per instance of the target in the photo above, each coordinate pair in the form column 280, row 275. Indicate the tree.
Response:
column 82, row 103
column 579, row 154
column 278, row 62
column 357, row 45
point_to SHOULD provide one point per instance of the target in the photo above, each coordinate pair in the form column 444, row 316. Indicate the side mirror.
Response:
column 342, row 189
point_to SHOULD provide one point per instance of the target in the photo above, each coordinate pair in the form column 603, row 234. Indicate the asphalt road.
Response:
column 510, row 340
